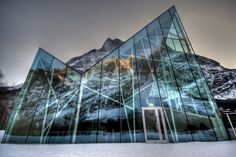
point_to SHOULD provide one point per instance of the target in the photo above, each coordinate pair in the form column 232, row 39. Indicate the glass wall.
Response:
column 156, row 68
column 46, row 107
column 200, row 90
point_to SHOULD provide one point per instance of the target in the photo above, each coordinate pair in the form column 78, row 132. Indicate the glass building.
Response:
column 149, row 89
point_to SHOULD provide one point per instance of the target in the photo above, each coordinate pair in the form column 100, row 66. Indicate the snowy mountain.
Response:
column 85, row 61
column 222, row 81
column 8, row 97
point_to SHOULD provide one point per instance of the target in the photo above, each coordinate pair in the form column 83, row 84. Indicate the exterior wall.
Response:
column 155, row 67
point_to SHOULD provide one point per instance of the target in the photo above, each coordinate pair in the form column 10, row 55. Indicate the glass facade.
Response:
column 150, row 88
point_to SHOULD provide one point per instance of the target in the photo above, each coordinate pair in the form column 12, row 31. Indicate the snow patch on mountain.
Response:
column 11, row 88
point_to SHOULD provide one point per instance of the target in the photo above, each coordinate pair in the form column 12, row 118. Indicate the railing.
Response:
column 230, row 124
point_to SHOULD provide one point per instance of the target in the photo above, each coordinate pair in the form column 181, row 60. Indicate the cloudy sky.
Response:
column 68, row 28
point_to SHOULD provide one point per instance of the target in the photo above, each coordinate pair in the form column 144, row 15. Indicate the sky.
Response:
column 69, row 28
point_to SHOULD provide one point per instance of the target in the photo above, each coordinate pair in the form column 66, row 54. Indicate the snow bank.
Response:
column 192, row 149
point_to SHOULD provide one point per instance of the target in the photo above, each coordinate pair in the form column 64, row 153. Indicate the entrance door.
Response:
column 154, row 124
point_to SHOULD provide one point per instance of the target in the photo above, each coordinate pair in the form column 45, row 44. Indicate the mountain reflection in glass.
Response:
column 156, row 68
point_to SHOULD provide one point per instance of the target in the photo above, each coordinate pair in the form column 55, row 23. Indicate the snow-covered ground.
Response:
column 192, row 149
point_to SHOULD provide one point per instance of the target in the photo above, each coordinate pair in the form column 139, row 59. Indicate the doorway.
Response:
column 154, row 125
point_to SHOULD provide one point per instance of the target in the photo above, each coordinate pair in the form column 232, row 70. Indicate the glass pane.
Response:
column 207, row 98
column 72, row 80
column 54, row 81
column 151, row 125
column 166, row 25
column 145, row 67
column 89, row 106
column 20, row 121
column 62, row 128
column 19, row 126
column 180, row 29
column 109, row 109
column 43, row 118
column 131, row 124
column 45, row 60
column 230, row 124
column 35, row 81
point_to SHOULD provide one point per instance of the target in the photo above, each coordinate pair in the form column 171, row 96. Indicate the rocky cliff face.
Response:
column 8, row 97
column 222, row 81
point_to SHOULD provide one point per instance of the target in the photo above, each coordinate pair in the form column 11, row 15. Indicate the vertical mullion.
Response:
column 119, row 87
column 99, row 99
column 137, row 75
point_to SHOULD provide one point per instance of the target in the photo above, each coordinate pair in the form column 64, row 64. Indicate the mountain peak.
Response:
column 109, row 44
column 85, row 61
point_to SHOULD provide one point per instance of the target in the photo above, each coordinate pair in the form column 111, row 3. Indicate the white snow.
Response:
column 191, row 149
column 14, row 87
